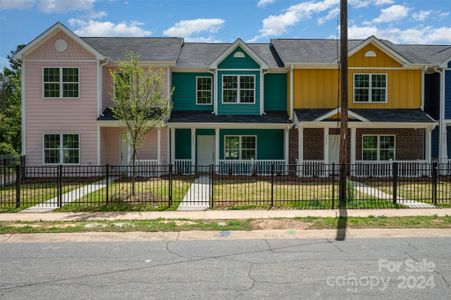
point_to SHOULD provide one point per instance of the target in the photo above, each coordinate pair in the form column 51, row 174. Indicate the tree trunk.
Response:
column 133, row 170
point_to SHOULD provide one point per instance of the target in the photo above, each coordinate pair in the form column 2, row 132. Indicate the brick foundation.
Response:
column 313, row 143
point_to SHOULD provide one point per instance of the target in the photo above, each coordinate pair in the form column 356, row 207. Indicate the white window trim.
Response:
column 378, row 148
column 60, row 83
column 238, row 100
column 240, row 149
column 61, row 149
column 370, row 98
column 211, row 90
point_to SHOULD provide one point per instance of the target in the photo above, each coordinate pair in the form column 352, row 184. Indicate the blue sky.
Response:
column 409, row 21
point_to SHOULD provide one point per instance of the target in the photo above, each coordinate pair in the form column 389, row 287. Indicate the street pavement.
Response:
column 356, row 268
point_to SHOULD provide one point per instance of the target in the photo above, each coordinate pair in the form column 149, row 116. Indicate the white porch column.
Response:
column 326, row 145
column 300, row 144
column 193, row 146
column 98, row 145
column 286, row 146
column 353, row 145
column 172, row 150
column 427, row 152
column 159, row 146
column 216, row 146
column 445, row 143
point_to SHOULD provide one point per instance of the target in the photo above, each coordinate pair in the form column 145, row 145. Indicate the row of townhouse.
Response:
column 233, row 103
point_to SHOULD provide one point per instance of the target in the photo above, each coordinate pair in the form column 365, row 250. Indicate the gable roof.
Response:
column 48, row 33
column 202, row 55
column 326, row 51
column 149, row 49
column 239, row 43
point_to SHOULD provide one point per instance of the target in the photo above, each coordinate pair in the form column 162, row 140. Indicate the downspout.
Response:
column 291, row 93
column 215, row 88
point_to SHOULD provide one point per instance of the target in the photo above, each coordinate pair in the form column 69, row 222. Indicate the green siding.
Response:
column 205, row 132
column 182, row 143
column 231, row 62
column 275, row 92
column 269, row 141
column 184, row 96
column 239, row 108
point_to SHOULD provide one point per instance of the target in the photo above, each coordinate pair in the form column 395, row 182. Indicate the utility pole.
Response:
column 343, row 99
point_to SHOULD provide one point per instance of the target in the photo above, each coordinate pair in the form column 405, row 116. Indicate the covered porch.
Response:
column 376, row 140
column 231, row 146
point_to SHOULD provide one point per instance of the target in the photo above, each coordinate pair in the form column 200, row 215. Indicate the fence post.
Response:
column 434, row 182
column 272, row 185
column 5, row 173
column 18, row 170
column 170, row 186
column 107, row 179
column 22, row 164
column 59, row 186
column 395, row 182
column 333, row 185
column 212, row 173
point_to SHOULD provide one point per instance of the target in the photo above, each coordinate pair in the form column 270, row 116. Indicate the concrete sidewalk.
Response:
column 220, row 214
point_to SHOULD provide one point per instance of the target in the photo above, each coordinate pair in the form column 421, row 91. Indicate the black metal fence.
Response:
column 153, row 187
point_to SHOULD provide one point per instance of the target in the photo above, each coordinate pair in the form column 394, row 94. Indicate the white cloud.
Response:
column 20, row 4
column 263, row 3
column 366, row 3
column 392, row 13
column 421, row 35
column 333, row 13
column 98, row 28
column 278, row 24
column 421, row 15
column 190, row 29
column 49, row 6
column 3, row 63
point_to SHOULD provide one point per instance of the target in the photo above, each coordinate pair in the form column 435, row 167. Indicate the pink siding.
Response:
column 47, row 50
column 108, row 86
column 60, row 115
column 110, row 145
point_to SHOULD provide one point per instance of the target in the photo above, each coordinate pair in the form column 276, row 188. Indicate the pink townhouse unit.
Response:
column 66, row 95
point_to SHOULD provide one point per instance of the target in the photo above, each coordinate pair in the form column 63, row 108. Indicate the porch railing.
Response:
column 445, row 167
column 183, row 166
column 147, row 167
column 311, row 168
column 250, row 167
column 406, row 168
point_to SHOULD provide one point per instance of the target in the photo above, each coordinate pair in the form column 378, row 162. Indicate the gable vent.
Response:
column 370, row 54
column 239, row 54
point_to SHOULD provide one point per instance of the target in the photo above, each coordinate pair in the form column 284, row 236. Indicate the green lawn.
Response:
column 32, row 193
column 150, row 194
column 255, row 193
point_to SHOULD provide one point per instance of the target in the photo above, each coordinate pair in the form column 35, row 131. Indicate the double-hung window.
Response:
column 240, row 147
column 61, row 148
column 370, row 88
column 61, row 82
column 378, row 147
column 238, row 88
column 203, row 90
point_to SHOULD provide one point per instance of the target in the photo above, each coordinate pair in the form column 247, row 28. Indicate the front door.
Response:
column 334, row 148
column 205, row 150
column 124, row 150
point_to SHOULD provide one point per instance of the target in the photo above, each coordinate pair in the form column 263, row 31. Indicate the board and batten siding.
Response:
column 184, row 94
column 275, row 86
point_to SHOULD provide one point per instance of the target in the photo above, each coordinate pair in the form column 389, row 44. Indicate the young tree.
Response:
column 140, row 101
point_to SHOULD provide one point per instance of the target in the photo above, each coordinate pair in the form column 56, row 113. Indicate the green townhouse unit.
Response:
column 229, row 107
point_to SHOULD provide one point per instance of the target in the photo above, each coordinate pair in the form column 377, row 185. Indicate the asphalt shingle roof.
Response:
column 148, row 48
column 373, row 115
column 207, row 117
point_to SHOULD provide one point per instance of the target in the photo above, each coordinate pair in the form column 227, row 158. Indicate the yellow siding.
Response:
column 381, row 59
column 318, row 88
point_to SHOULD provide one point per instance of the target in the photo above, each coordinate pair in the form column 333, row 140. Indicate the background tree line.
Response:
column 10, row 100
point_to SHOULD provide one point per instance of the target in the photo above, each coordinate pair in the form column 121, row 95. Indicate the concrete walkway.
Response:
column 198, row 196
column 68, row 197
column 376, row 193
column 221, row 214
